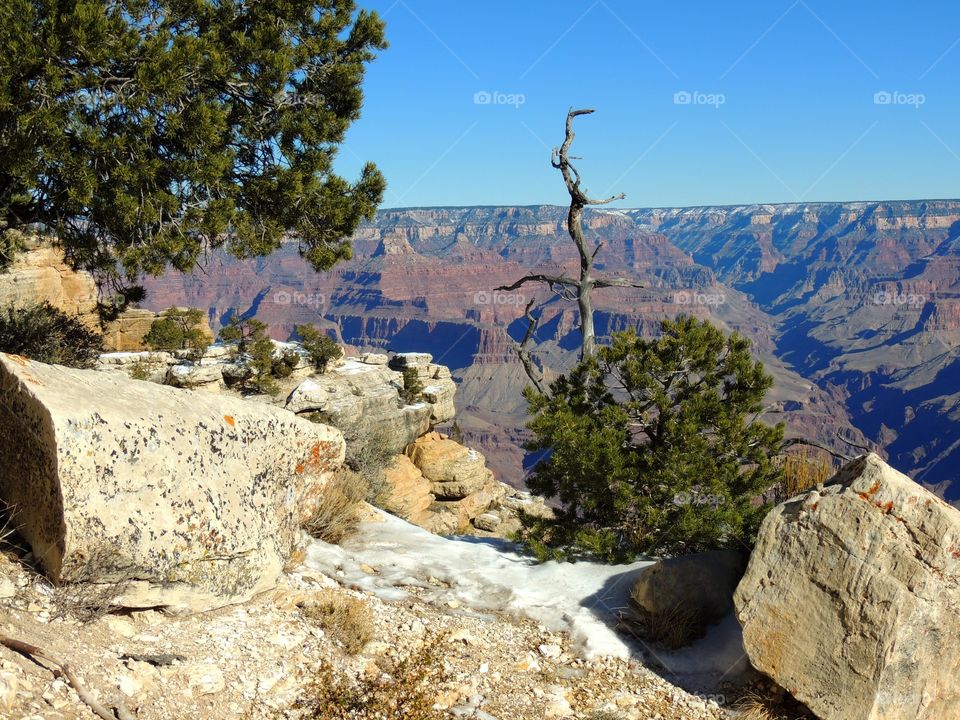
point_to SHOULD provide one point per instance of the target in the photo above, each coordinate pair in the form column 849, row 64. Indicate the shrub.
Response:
column 654, row 446
column 369, row 455
column 802, row 471
column 283, row 366
column 48, row 335
column 178, row 329
column 254, row 342
column 673, row 628
column 139, row 371
column 11, row 245
column 336, row 514
column 412, row 386
column 346, row 619
column 405, row 693
column 322, row 348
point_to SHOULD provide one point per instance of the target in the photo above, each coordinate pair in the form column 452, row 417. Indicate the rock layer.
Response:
column 851, row 600
column 183, row 499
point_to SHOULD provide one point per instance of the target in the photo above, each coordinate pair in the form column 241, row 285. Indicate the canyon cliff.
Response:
column 854, row 307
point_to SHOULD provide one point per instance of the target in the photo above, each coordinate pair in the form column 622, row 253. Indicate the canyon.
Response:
column 853, row 307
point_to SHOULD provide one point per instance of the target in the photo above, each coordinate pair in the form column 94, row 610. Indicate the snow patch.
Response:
column 489, row 575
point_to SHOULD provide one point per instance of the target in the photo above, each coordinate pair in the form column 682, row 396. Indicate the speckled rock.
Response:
column 851, row 599
column 362, row 400
column 185, row 499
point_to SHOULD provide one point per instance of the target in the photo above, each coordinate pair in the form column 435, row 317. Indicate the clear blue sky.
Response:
column 785, row 109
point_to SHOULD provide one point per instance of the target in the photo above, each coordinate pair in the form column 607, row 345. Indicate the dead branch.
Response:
column 579, row 289
column 533, row 372
column 801, row 441
column 550, row 280
column 37, row 654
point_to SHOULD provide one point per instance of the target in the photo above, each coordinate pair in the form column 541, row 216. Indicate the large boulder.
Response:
column 701, row 584
column 41, row 274
column 851, row 600
column 455, row 471
column 408, row 491
column 363, row 400
column 184, row 499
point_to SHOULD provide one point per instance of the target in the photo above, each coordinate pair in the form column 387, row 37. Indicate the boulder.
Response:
column 409, row 493
column 41, row 274
column 701, row 584
column 400, row 361
column 473, row 505
column 196, row 376
column 373, row 359
column 362, row 400
column 439, row 388
column 851, row 600
column 455, row 471
column 126, row 332
column 186, row 500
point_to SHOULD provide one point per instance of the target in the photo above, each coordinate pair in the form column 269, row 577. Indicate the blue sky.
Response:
column 778, row 101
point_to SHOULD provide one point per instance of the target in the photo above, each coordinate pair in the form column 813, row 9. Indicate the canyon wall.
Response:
column 855, row 307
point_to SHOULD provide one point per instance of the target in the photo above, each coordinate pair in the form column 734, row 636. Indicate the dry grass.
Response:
column 672, row 629
column 803, row 471
column 754, row 705
column 84, row 601
column 407, row 692
column 346, row 619
column 337, row 510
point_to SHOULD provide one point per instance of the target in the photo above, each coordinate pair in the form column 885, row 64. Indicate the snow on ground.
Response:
column 485, row 575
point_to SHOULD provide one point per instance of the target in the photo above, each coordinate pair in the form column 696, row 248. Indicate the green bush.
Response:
column 178, row 329
column 254, row 342
column 283, row 366
column 653, row 446
column 412, row 386
column 322, row 348
column 11, row 244
column 48, row 335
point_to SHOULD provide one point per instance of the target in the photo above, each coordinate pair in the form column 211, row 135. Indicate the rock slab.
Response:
column 183, row 499
column 851, row 599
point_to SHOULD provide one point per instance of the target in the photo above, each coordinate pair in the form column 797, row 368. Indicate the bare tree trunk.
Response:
column 580, row 288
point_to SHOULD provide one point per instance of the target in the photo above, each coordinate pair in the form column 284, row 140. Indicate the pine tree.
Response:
column 145, row 132
column 654, row 445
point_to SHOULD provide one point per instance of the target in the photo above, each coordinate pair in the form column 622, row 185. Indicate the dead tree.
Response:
column 568, row 288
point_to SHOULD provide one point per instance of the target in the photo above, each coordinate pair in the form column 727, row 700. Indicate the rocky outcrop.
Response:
column 446, row 488
column 127, row 332
column 363, row 400
column 408, row 494
column 851, row 600
column 183, row 499
column 40, row 274
column 438, row 385
column 459, row 480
